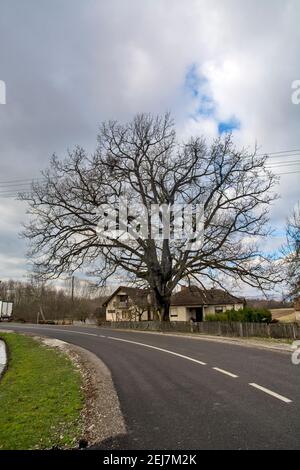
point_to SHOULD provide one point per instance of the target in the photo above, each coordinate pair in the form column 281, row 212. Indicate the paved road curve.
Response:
column 181, row 393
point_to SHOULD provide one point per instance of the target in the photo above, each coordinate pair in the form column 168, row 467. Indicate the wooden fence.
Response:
column 235, row 329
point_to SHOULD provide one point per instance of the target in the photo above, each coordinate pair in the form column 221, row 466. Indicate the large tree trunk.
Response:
column 165, row 312
column 163, row 306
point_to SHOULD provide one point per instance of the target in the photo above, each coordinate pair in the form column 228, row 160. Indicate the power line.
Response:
column 279, row 152
column 290, row 173
column 29, row 180
column 14, row 185
column 284, row 162
column 21, row 184
column 282, row 165
column 14, row 192
column 11, row 188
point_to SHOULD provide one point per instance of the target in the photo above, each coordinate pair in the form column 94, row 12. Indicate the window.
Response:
column 218, row 309
column 173, row 315
column 122, row 300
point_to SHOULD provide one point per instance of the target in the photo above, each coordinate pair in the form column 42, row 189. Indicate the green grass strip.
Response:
column 40, row 397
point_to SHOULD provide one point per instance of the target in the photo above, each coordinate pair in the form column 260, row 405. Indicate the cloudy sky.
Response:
column 215, row 64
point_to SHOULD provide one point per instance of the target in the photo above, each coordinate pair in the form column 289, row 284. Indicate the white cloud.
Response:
column 12, row 214
column 83, row 62
column 12, row 268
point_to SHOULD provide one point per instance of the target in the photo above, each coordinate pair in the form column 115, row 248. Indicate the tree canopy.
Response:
column 144, row 162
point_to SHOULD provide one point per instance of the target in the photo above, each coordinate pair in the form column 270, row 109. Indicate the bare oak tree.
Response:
column 144, row 162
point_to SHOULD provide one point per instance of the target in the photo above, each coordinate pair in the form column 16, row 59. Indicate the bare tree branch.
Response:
column 143, row 162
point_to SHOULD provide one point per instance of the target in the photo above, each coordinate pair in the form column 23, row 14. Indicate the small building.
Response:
column 191, row 303
column 194, row 303
column 129, row 304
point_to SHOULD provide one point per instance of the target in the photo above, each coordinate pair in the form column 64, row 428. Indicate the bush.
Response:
column 247, row 314
column 216, row 317
column 259, row 315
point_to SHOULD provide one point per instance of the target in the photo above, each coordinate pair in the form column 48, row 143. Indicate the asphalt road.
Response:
column 181, row 393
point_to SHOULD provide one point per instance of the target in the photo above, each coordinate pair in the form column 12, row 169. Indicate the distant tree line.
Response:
column 30, row 298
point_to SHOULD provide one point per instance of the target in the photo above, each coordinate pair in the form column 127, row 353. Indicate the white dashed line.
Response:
column 159, row 349
column 188, row 358
column 225, row 372
column 269, row 392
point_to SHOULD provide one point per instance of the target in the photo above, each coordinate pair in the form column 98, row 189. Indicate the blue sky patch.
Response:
column 192, row 80
column 196, row 85
column 228, row 126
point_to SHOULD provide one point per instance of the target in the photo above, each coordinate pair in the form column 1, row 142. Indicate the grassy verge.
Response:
column 40, row 397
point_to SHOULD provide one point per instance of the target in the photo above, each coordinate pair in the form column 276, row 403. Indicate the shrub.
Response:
column 216, row 317
column 257, row 315
column 247, row 314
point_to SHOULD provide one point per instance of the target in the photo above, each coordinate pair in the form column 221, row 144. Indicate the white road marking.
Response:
column 74, row 331
column 266, row 390
column 159, row 349
column 56, row 329
column 269, row 392
column 225, row 372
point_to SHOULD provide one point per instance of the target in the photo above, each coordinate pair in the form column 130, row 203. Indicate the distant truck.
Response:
column 6, row 309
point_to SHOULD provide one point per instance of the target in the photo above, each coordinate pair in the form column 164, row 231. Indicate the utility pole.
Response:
column 72, row 288
column 40, row 314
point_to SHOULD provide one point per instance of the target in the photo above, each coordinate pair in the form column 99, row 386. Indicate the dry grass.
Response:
column 284, row 314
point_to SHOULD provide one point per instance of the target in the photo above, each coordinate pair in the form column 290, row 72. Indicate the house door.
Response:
column 199, row 314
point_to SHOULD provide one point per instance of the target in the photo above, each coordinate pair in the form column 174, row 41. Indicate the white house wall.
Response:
column 211, row 309
column 182, row 313
column 115, row 314
column 177, row 313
